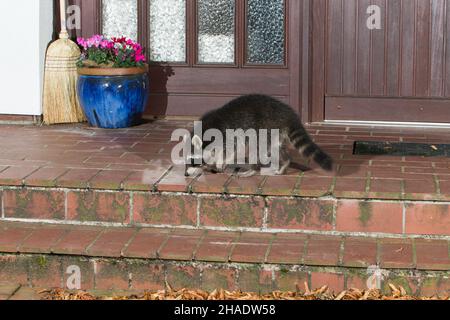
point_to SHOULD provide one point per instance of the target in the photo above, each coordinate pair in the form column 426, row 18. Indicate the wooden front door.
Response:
column 204, row 53
column 399, row 72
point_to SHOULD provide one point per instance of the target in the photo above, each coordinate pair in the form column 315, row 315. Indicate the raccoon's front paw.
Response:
column 193, row 172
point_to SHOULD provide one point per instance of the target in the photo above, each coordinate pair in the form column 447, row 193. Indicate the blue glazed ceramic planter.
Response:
column 113, row 98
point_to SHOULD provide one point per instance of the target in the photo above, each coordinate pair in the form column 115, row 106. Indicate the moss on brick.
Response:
column 162, row 209
column 29, row 203
column 365, row 212
column 42, row 262
column 234, row 212
column 255, row 279
column 183, row 276
column 313, row 214
column 89, row 205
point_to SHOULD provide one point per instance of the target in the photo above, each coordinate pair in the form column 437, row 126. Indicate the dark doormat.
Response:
column 401, row 149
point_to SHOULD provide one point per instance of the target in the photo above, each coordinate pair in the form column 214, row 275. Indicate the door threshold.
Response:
column 387, row 124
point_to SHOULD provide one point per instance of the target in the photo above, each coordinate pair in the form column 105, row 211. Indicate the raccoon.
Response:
column 259, row 112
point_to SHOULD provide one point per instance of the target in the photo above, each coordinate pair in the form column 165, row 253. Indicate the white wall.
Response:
column 26, row 30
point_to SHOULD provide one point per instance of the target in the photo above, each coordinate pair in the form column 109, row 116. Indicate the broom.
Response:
column 60, row 101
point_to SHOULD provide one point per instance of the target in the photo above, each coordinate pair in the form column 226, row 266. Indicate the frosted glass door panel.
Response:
column 216, row 31
column 119, row 18
column 266, row 32
column 168, row 31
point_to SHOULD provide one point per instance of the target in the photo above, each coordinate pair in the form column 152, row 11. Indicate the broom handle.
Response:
column 62, row 7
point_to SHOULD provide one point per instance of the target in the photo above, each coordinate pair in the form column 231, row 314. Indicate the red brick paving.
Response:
column 210, row 183
column 12, row 236
column 84, row 152
column 432, row 255
column 76, row 240
column 109, row 179
column 251, row 247
column 221, row 246
column 143, row 180
column 323, row 251
column 245, row 186
column 59, row 166
column 396, row 253
column 42, row 239
column 181, row 245
column 111, row 242
column 45, row 177
column 280, row 250
column 146, row 243
column 359, row 216
column 7, row 290
column 280, row 185
column 24, row 293
column 287, row 248
column 360, row 252
column 77, row 178
column 433, row 219
column 216, row 246
column 175, row 181
column 15, row 175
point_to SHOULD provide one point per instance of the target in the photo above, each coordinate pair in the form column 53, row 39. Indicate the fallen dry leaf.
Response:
column 397, row 293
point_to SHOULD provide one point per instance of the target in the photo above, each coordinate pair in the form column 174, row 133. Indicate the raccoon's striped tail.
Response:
column 303, row 142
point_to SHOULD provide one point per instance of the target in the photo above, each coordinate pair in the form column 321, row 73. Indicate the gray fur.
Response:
column 264, row 112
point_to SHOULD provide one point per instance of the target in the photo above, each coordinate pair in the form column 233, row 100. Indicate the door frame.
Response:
column 298, row 40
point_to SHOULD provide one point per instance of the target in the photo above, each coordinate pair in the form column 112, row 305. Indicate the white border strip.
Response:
column 387, row 124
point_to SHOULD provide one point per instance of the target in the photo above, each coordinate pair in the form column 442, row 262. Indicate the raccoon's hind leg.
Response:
column 285, row 160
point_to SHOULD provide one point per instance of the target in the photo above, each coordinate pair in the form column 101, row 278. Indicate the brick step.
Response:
column 39, row 255
column 230, row 212
column 117, row 275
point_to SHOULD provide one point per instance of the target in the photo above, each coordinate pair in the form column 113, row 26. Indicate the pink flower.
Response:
column 94, row 41
column 119, row 40
column 140, row 58
column 106, row 44
column 82, row 42
column 127, row 49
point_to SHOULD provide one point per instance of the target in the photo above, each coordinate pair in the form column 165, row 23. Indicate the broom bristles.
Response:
column 60, row 101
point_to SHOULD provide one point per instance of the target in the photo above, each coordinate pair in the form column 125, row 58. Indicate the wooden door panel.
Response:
column 405, row 69
column 405, row 58
column 406, row 61
column 437, row 51
column 394, row 46
column 221, row 81
column 388, row 109
column 191, row 105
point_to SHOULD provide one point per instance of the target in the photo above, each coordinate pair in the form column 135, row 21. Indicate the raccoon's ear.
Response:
column 197, row 142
